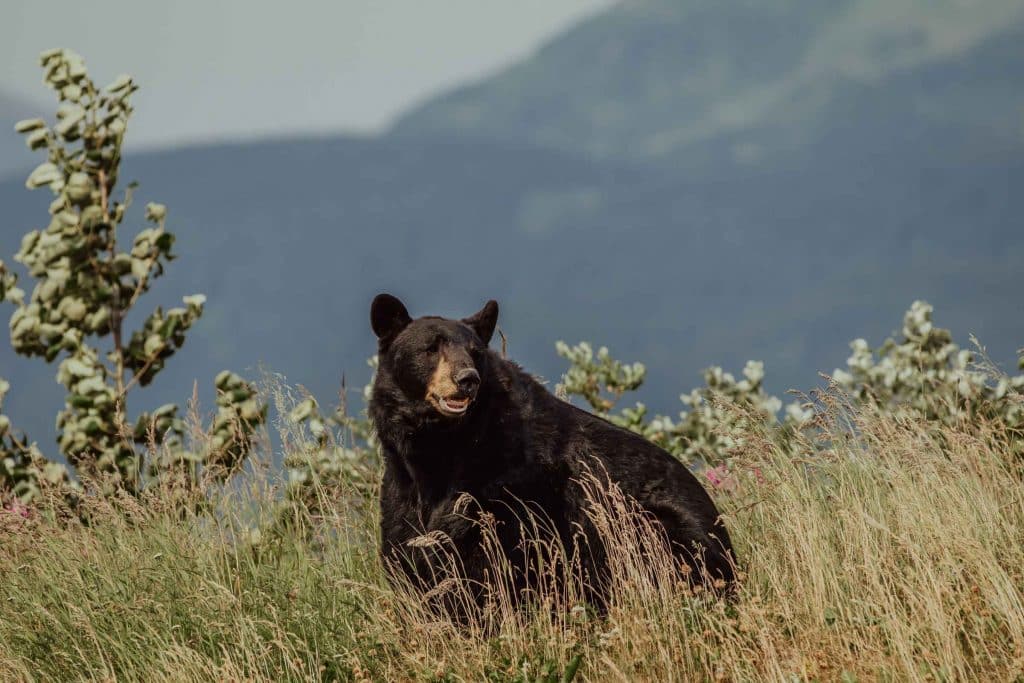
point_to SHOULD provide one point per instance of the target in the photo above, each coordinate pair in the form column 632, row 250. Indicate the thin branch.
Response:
column 142, row 371
column 115, row 304
column 16, row 441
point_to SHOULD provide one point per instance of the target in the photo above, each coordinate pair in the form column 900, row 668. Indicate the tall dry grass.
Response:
column 878, row 548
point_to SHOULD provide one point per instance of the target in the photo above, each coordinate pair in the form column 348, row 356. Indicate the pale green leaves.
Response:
column 153, row 344
column 47, row 55
column 74, row 368
column 67, row 75
column 139, row 269
column 327, row 451
column 120, row 84
column 161, row 335
column 38, row 139
column 162, row 426
column 72, row 308
column 599, row 378
column 8, row 287
column 29, row 125
column 44, row 174
column 195, row 301
column 23, row 469
column 303, row 410
column 925, row 373
column 718, row 416
column 89, row 433
column 79, row 188
column 308, row 412
column 69, row 116
column 151, row 249
column 145, row 242
column 239, row 413
column 156, row 212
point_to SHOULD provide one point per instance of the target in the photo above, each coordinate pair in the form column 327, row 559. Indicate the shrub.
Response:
column 87, row 281
column 719, row 414
column 922, row 374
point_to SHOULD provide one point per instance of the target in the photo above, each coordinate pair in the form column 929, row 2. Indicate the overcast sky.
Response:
column 229, row 69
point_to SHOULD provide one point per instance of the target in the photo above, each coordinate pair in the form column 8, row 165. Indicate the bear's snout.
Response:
column 454, row 383
column 467, row 379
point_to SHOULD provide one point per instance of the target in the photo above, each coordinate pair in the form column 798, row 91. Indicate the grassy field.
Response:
column 883, row 549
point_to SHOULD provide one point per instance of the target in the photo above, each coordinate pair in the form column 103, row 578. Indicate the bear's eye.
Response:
column 434, row 346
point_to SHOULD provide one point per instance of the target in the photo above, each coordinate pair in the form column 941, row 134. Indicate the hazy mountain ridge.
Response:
column 290, row 240
column 650, row 79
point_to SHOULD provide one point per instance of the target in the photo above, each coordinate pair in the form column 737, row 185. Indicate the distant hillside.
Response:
column 290, row 240
column 651, row 79
column 14, row 156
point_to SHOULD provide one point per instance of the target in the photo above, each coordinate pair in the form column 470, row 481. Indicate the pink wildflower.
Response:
column 717, row 476
column 16, row 507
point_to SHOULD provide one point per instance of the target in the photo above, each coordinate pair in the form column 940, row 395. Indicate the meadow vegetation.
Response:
column 879, row 547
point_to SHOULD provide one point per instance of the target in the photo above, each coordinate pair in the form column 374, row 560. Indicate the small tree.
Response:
column 87, row 282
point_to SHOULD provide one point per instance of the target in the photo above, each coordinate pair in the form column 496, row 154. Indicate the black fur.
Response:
column 516, row 444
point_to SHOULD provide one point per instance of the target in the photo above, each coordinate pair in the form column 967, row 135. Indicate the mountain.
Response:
column 290, row 241
column 14, row 156
column 781, row 239
column 652, row 79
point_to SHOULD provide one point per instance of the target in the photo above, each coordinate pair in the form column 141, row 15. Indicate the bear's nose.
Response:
column 468, row 380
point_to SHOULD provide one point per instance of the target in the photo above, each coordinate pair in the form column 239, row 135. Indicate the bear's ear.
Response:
column 484, row 320
column 388, row 317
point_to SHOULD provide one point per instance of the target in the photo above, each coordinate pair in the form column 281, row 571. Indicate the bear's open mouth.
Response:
column 453, row 405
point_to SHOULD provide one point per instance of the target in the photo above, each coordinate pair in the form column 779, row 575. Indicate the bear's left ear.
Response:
column 484, row 320
column 388, row 317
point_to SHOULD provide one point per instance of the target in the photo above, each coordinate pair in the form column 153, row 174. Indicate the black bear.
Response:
column 455, row 418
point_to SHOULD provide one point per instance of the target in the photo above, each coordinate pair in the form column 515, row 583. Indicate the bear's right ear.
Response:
column 388, row 317
column 484, row 320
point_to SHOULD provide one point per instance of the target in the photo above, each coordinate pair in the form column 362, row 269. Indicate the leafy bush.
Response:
column 922, row 374
column 325, row 452
column 87, row 284
column 719, row 414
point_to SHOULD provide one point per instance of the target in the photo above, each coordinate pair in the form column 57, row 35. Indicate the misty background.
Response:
column 691, row 182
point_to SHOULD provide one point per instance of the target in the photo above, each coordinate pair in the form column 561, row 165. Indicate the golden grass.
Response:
column 880, row 549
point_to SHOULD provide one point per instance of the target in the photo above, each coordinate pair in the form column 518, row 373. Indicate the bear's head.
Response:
column 438, row 361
